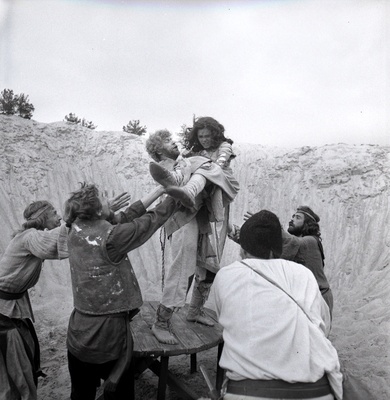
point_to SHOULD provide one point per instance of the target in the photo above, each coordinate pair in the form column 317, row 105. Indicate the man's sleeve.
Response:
column 291, row 245
column 135, row 210
column 48, row 244
column 224, row 153
column 128, row 236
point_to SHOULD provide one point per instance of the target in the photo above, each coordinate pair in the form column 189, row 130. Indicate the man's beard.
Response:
column 174, row 153
column 293, row 230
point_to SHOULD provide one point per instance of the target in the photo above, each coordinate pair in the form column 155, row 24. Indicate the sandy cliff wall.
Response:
column 348, row 186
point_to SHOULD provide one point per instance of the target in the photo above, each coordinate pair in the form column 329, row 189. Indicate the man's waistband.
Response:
column 11, row 296
column 275, row 389
column 124, row 314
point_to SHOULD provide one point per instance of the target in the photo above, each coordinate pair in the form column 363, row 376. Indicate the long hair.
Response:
column 217, row 130
column 35, row 215
column 83, row 203
column 155, row 142
column 310, row 222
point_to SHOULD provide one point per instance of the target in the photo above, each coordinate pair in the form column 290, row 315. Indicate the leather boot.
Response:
column 164, row 177
column 199, row 296
column 186, row 194
column 162, row 326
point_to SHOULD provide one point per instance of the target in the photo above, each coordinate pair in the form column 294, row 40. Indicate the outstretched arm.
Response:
column 151, row 197
column 136, row 209
column 127, row 237
column 234, row 230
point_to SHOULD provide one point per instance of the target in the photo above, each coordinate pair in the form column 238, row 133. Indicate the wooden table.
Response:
column 193, row 338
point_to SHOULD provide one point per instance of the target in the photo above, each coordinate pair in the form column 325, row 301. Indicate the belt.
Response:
column 124, row 314
column 11, row 296
column 275, row 389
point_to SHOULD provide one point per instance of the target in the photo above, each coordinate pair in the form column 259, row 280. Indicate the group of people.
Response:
column 274, row 305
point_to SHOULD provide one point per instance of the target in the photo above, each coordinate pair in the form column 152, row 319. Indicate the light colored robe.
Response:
column 266, row 335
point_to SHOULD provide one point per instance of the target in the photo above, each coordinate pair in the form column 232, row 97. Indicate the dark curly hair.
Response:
column 83, row 203
column 261, row 234
column 217, row 130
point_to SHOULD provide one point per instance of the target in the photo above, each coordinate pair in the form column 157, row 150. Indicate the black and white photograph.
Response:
column 194, row 199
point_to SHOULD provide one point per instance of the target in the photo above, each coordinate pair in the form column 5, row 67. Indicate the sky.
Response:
column 277, row 73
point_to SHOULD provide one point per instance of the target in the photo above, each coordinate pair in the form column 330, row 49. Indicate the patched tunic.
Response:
column 97, row 329
column 100, row 286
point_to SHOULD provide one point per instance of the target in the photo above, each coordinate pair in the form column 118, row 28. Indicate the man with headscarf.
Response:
column 40, row 238
column 275, row 322
column 302, row 243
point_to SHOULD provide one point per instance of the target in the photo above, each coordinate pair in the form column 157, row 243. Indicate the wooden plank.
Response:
column 145, row 344
column 186, row 333
column 200, row 337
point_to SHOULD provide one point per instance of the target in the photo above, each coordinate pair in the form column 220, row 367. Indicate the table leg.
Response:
column 220, row 371
column 184, row 392
column 193, row 363
column 162, row 382
column 132, row 384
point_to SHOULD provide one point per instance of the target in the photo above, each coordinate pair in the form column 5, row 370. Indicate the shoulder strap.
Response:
column 279, row 287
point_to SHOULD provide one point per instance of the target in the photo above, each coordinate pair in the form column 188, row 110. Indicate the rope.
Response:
column 163, row 238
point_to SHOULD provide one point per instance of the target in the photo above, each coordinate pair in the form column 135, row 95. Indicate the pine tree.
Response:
column 25, row 109
column 74, row 119
column 88, row 124
column 135, row 128
column 8, row 102
column 11, row 104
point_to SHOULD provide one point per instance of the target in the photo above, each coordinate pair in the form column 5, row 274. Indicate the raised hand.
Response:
column 119, row 201
column 247, row 215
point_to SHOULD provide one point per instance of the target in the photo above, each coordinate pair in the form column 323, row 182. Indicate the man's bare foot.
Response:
column 164, row 335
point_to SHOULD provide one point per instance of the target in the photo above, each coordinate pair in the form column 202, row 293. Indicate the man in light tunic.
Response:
column 275, row 322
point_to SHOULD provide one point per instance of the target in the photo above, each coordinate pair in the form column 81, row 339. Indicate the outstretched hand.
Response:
column 247, row 215
column 119, row 201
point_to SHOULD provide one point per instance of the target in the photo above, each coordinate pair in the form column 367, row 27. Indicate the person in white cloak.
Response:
column 275, row 323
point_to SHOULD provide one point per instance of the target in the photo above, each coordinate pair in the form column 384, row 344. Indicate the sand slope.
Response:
column 348, row 186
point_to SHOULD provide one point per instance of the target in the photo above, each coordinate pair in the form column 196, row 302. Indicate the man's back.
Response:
column 267, row 336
